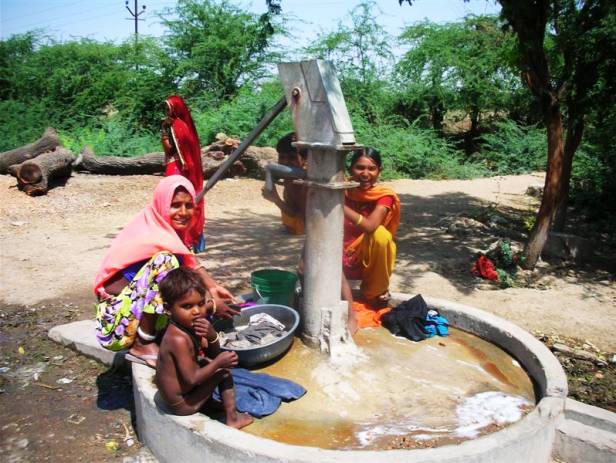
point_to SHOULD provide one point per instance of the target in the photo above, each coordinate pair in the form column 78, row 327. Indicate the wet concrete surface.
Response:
column 390, row 392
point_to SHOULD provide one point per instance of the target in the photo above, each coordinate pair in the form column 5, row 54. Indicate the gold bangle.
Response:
column 359, row 219
column 215, row 339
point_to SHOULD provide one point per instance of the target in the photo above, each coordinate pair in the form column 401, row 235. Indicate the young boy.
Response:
column 184, row 385
column 292, row 205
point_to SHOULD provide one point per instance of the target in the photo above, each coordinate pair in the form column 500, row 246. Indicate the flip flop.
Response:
column 142, row 359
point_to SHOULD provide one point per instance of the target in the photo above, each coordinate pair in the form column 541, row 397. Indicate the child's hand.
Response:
column 204, row 329
column 226, row 360
column 271, row 196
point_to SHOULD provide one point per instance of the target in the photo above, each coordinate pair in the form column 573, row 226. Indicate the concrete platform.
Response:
column 557, row 426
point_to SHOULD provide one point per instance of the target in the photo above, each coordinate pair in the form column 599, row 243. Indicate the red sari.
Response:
column 186, row 141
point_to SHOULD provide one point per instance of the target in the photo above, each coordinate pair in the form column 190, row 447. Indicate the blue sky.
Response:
column 108, row 19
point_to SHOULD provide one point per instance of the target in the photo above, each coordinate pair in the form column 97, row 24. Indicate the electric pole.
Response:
column 135, row 14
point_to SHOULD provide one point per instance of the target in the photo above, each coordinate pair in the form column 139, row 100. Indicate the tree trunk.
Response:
column 151, row 163
column 552, row 190
column 575, row 131
column 48, row 142
column 33, row 176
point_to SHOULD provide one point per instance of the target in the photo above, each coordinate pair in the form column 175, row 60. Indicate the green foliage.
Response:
column 513, row 149
column 240, row 115
column 113, row 137
column 26, row 128
column 362, row 56
column 217, row 47
column 410, row 151
column 467, row 66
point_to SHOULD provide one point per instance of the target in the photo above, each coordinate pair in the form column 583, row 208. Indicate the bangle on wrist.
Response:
column 145, row 336
column 215, row 339
column 359, row 219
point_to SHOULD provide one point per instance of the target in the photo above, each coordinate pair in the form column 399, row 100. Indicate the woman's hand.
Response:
column 220, row 292
column 224, row 311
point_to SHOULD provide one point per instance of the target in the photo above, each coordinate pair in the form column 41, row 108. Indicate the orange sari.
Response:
column 391, row 221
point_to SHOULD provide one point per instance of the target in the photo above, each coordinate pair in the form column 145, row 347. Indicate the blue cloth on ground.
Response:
column 260, row 394
column 436, row 324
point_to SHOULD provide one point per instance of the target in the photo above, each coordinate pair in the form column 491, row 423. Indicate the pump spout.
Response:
column 275, row 171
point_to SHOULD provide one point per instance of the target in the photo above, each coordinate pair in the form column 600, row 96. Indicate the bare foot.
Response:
column 239, row 420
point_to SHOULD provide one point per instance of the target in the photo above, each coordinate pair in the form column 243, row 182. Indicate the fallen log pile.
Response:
column 36, row 164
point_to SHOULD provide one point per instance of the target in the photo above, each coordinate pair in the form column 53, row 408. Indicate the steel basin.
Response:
column 251, row 356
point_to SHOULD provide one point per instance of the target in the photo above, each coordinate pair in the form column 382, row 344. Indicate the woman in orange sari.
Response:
column 371, row 219
column 183, row 157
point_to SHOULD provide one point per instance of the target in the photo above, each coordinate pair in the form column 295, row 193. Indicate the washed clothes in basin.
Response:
column 250, row 356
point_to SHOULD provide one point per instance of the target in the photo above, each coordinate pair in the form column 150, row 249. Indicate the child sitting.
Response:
column 184, row 385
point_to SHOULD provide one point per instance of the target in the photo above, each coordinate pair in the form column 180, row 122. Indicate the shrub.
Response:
column 513, row 148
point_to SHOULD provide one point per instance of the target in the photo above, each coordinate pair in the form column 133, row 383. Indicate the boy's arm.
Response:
column 189, row 372
column 281, row 204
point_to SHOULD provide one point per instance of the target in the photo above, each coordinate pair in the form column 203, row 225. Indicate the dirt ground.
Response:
column 58, row 405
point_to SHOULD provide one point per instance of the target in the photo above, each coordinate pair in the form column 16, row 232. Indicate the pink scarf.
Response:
column 149, row 232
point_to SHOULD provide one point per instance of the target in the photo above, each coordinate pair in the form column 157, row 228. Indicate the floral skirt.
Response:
column 117, row 317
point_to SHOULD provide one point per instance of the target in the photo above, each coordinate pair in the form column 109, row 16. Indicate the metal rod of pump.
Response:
column 252, row 136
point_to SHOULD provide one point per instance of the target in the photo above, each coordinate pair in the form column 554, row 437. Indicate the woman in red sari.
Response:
column 183, row 157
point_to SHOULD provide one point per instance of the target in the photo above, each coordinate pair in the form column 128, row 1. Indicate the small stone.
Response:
column 18, row 223
column 22, row 443
column 599, row 375
column 64, row 381
column 130, row 442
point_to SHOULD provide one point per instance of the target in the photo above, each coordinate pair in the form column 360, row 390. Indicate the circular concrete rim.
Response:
column 198, row 438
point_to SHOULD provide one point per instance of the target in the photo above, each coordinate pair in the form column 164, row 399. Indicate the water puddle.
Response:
column 390, row 392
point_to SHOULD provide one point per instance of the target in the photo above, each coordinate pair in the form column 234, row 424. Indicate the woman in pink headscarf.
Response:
column 130, row 311
column 183, row 157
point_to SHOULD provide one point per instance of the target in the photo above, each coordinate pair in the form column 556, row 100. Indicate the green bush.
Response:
column 113, row 137
column 409, row 151
column 239, row 116
column 513, row 149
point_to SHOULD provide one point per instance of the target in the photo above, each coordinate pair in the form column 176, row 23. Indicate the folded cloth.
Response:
column 262, row 329
column 259, row 318
column 260, row 394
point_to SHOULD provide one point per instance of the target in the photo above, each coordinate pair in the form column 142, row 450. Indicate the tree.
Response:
column 563, row 82
column 217, row 46
column 467, row 66
column 563, row 85
column 362, row 56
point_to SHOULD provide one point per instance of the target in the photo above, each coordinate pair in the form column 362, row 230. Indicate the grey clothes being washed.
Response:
column 261, row 330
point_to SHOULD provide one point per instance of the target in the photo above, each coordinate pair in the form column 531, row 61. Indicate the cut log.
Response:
column 151, row 163
column 33, row 176
column 48, row 142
